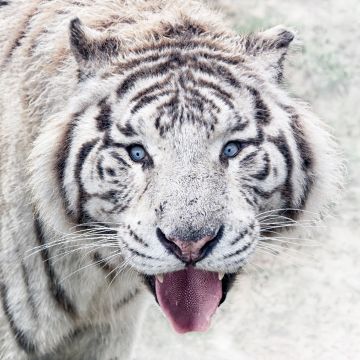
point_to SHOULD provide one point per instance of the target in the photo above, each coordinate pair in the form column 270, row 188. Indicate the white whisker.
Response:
column 88, row 265
column 281, row 249
column 286, row 209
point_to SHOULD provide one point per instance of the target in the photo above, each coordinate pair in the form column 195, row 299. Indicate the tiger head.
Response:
column 181, row 146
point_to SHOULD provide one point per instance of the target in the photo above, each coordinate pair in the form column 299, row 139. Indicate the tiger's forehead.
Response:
column 162, row 105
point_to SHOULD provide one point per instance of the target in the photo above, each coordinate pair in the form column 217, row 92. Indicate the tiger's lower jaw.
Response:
column 190, row 297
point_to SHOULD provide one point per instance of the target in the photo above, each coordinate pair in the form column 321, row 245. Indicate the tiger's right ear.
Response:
column 92, row 49
column 269, row 49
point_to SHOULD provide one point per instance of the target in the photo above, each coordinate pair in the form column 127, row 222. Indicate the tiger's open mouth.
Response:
column 190, row 297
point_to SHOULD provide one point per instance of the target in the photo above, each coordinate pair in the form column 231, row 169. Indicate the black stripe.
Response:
column 62, row 158
column 149, row 90
column 30, row 298
column 280, row 68
column 22, row 339
column 240, row 125
column 119, row 159
column 105, row 266
column 251, row 202
column 186, row 29
column 229, row 60
column 239, row 251
column 256, row 141
column 135, row 252
column 111, row 195
column 3, row 3
column 171, row 106
column 126, row 300
column 157, row 120
column 81, row 157
column 262, row 112
column 143, row 192
column 148, row 99
column 100, row 169
column 223, row 95
column 146, row 72
column 110, row 171
column 136, row 237
column 216, row 70
column 189, row 46
column 265, row 171
column 132, row 65
column 106, row 230
column 118, row 208
column 174, row 62
column 239, row 237
column 264, row 194
column 108, row 142
column 302, row 145
column 176, row 46
column 249, row 158
column 195, row 94
column 196, row 105
column 78, row 3
column 287, row 189
column 306, row 158
column 18, row 41
column 103, row 120
column 56, row 289
column 126, row 130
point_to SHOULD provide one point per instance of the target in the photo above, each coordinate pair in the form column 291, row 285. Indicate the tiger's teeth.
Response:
column 220, row 275
column 160, row 278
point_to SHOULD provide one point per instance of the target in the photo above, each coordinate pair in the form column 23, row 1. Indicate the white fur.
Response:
column 40, row 95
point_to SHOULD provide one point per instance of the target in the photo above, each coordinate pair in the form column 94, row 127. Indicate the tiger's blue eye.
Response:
column 137, row 153
column 231, row 149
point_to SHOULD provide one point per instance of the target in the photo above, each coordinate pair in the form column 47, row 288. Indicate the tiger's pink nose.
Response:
column 190, row 251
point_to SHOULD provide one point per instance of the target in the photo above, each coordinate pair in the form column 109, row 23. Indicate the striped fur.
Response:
column 79, row 218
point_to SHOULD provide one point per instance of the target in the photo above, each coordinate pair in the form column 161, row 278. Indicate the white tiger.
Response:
column 142, row 142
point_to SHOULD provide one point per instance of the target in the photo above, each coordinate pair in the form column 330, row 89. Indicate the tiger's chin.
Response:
column 190, row 297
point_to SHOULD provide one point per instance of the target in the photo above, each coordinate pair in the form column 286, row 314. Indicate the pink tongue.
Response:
column 189, row 298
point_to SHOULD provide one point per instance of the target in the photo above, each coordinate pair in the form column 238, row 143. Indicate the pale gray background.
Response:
column 303, row 305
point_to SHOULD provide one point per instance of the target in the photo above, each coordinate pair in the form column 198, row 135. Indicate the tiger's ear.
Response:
column 269, row 49
column 92, row 49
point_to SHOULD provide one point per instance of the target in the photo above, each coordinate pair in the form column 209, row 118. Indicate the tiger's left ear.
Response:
column 92, row 49
column 269, row 49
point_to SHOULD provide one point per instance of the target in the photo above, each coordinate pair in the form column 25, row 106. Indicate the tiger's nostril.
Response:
column 190, row 251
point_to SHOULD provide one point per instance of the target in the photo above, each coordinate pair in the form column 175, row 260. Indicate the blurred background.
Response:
column 304, row 303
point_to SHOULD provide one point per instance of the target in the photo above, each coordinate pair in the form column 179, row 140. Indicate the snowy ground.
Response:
column 295, row 308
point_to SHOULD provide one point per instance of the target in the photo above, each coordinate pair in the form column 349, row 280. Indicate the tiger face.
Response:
column 179, row 146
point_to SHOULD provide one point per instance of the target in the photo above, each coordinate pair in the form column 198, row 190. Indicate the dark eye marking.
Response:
column 265, row 171
column 119, row 159
column 262, row 112
column 249, row 159
column 240, row 125
column 126, row 130
column 100, row 170
column 110, row 171
column 103, row 119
